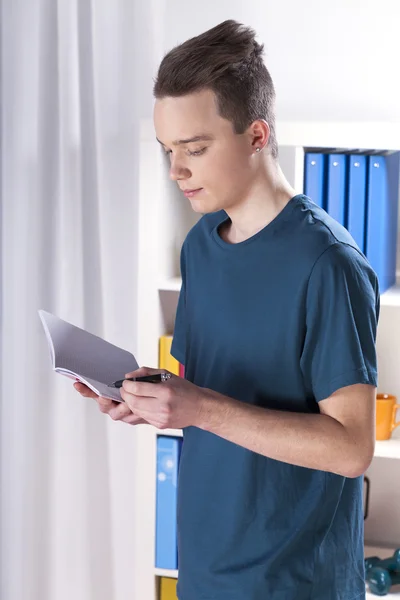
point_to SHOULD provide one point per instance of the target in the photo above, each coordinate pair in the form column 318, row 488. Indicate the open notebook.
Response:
column 85, row 357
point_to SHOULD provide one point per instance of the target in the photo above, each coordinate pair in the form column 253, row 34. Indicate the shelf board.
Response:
column 383, row 135
column 173, row 432
column 392, row 296
column 173, row 284
column 173, row 574
column 388, row 448
column 395, row 595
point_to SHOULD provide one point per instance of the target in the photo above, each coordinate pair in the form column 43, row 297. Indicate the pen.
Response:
column 157, row 378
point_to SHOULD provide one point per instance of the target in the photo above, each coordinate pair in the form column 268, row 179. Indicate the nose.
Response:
column 178, row 170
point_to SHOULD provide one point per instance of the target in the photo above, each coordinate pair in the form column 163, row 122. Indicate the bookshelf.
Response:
column 172, row 432
column 165, row 217
column 173, row 574
column 388, row 449
column 171, row 285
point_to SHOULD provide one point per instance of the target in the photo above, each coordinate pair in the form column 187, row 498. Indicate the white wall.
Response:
column 329, row 60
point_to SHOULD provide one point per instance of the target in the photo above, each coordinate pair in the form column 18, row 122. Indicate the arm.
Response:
column 338, row 365
column 340, row 439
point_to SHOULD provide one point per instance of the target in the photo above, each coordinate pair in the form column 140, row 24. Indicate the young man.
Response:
column 276, row 326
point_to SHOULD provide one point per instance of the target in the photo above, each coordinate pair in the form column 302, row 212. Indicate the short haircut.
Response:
column 227, row 60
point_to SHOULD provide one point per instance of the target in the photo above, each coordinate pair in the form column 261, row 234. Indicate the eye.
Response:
column 197, row 152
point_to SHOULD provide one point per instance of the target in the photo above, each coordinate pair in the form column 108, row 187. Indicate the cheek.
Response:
column 232, row 174
column 224, row 168
column 225, row 176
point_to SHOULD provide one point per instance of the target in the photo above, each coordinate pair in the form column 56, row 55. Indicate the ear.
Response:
column 259, row 133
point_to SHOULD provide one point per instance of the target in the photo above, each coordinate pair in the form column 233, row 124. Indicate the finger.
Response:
column 137, row 403
column 140, row 407
column 143, row 371
column 134, row 420
column 133, row 402
column 150, row 419
column 143, row 389
column 84, row 390
column 105, row 404
column 119, row 412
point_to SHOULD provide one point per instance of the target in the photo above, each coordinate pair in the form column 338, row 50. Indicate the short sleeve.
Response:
column 342, row 311
column 178, row 347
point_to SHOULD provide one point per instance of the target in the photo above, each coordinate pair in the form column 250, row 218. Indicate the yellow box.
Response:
column 168, row 589
column 165, row 358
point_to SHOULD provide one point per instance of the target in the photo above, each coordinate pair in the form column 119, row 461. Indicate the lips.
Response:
column 190, row 193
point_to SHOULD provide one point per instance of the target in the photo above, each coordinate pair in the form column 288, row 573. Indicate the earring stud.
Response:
column 258, row 149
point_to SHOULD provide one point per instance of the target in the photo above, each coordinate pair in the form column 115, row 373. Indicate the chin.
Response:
column 204, row 207
column 198, row 206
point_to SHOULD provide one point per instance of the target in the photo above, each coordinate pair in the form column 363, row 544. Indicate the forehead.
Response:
column 183, row 117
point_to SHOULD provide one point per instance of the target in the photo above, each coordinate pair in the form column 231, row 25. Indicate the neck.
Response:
column 269, row 193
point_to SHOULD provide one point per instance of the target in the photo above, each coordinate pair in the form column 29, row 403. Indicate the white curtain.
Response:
column 76, row 78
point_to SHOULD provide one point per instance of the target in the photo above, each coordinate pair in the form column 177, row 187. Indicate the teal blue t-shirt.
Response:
column 280, row 320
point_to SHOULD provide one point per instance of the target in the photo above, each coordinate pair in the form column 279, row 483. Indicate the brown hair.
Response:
column 227, row 60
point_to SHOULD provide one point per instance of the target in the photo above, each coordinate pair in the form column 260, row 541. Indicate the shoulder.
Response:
column 342, row 269
column 343, row 256
column 316, row 229
column 328, row 250
column 318, row 238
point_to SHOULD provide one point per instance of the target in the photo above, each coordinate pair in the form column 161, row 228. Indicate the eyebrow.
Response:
column 205, row 137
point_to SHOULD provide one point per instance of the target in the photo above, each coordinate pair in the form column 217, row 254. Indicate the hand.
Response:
column 175, row 403
column 118, row 411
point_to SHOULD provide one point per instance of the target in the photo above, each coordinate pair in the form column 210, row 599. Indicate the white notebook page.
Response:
column 86, row 354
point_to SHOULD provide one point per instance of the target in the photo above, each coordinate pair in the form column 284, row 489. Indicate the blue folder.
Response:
column 382, row 210
column 314, row 177
column 336, row 196
column 357, row 199
column 168, row 456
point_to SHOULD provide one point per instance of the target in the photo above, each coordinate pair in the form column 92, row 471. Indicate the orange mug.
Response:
column 386, row 408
